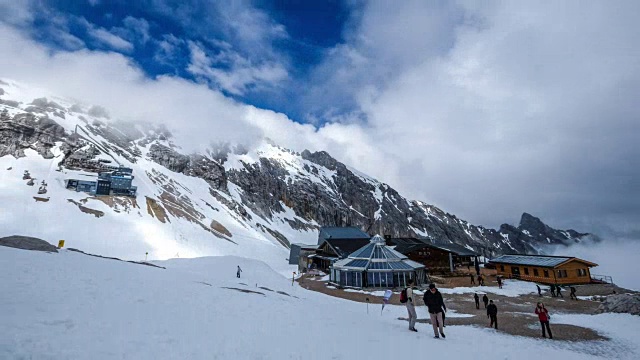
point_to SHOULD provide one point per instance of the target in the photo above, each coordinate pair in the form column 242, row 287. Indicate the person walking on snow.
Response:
column 434, row 302
column 473, row 279
column 572, row 295
column 499, row 282
column 492, row 313
column 477, row 299
column 411, row 308
column 552, row 288
column 485, row 300
column 543, row 316
column 559, row 291
column 238, row 272
column 539, row 290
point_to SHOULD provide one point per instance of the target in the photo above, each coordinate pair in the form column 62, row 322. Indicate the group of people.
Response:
column 556, row 291
column 435, row 305
column 492, row 309
column 480, row 278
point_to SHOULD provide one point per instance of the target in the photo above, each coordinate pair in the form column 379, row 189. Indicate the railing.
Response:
column 602, row 278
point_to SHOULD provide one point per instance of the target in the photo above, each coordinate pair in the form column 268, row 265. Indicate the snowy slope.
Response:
column 123, row 227
column 72, row 306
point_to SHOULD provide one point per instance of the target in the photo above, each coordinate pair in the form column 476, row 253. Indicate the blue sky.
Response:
column 487, row 109
column 290, row 38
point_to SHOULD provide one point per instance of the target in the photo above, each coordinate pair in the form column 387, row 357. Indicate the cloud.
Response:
column 195, row 114
column 138, row 27
column 496, row 110
column 233, row 73
column 106, row 37
column 486, row 111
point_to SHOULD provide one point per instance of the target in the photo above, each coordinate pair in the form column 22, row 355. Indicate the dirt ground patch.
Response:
column 86, row 210
column 515, row 314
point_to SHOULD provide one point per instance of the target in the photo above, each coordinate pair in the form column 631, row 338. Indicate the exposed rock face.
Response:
column 27, row 243
column 534, row 229
column 194, row 165
column 621, row 303
column 25, row 131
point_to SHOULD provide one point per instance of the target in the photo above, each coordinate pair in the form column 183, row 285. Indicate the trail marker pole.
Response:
column 293, row 278
column 367, row 299
column 146, row 255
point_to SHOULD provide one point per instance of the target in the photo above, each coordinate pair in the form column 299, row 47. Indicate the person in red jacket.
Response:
column 543, row 316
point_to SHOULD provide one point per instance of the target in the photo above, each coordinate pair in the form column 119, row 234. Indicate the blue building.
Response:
column 115, row 182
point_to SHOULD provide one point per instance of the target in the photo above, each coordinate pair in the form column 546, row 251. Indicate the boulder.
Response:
column 27, row 243
column 621, row 303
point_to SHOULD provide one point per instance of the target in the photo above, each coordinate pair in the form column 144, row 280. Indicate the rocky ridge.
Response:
column 300, row 190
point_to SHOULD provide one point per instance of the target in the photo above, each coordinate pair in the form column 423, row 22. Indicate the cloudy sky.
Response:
column 485, row 109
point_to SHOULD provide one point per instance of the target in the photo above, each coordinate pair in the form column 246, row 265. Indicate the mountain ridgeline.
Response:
column 267, row 188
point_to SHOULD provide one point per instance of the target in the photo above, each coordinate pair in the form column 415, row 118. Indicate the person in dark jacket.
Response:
column 559, row 291
column 473, row 279
column 499, row 282
column 552, row 289
column 539, row 290
column 543, row 316
column 434, row 302
column 572, row 295
column 238, row 272
column 477, row 299
column 492, row 313
column 485, row 300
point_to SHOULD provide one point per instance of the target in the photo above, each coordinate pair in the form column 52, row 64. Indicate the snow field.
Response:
column 72, row 306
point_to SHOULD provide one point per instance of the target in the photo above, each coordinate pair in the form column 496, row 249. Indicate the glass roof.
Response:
column 377, row 256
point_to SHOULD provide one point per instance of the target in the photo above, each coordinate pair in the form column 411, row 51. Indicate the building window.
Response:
column 526, row 271
column 546, row 273
column 535, row 272
column 562, row 274
column 501, row 267
column 582, row 272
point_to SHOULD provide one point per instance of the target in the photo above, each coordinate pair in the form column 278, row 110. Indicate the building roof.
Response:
column 341, row 233
column 407, row 245
column 344, row 247
column 377, row 256
column 537, row 260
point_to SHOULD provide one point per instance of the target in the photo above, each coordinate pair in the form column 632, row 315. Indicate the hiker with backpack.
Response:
column 572, row 295
column 492, row 313
column 552, row 289
column 543, row 316
column 559, row 291
column 485, row 300
column 406, row 297
column 435, row 304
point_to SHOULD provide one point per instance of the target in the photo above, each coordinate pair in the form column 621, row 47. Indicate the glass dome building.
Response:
column 376, row 265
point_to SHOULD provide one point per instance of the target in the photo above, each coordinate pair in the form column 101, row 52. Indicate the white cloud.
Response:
column 139, row 27
column 106, row 37
column 495, row 110
column 240, row 73
column 196, row 115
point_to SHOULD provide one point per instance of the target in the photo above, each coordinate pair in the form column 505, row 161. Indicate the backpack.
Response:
column 403, row 296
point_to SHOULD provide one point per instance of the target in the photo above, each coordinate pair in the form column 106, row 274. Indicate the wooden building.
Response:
column 435, row 256
column 562, row 270
column 334, row 243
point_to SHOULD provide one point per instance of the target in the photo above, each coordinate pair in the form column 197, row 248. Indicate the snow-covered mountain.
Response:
column 229, row 200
